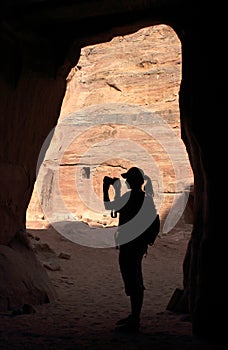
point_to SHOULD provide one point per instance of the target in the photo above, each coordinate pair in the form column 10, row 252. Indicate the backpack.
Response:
column 146, row 220
column 149, row 236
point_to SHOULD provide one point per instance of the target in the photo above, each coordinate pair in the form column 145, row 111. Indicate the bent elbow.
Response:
column 107, row 205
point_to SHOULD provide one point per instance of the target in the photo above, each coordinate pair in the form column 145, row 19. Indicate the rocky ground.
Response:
column 90, row 299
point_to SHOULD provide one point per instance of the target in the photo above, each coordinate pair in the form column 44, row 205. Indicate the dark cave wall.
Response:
column 40, row 44
column 32, row 87
column 28, row 113
column 202, row 106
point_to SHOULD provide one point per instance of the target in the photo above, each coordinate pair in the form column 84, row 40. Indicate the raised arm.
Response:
column 106, row 199
column 116, row 203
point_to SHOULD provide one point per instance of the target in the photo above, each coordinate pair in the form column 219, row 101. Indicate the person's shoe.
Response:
column 122, row 321
column 130, row 326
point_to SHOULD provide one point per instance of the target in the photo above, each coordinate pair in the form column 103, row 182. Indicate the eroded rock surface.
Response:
column 132, row 75
column 23, row 278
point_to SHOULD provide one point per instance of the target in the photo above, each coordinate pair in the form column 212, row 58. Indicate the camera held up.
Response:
column 110, row 180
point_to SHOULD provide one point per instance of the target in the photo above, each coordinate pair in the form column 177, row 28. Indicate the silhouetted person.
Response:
column 135, row 213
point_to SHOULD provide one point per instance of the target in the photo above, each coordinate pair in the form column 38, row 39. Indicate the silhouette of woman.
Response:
column 130, row 226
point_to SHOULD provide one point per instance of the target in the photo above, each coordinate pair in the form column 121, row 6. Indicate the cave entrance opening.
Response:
column 120, row 109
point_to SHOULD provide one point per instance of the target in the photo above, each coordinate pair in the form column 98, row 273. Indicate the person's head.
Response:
column 134, row 177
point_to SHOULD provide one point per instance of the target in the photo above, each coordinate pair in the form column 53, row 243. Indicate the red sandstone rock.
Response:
column 115, row 78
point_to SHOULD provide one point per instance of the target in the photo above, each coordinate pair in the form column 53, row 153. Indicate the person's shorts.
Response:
column 130, row 262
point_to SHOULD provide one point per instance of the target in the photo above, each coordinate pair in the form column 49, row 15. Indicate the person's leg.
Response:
column 125, row 267
column 134, row 282
column 132, row 322
column 136, row 304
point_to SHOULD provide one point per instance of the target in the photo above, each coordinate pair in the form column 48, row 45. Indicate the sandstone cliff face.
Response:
column 126, row 89
column 143, row 69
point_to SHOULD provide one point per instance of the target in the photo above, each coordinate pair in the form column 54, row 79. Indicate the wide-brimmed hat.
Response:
column 135, row 174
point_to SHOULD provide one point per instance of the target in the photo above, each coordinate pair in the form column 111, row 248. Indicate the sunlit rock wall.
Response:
column 134, row 75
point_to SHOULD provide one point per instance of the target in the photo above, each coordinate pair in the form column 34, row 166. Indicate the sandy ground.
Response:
column 91, row 298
